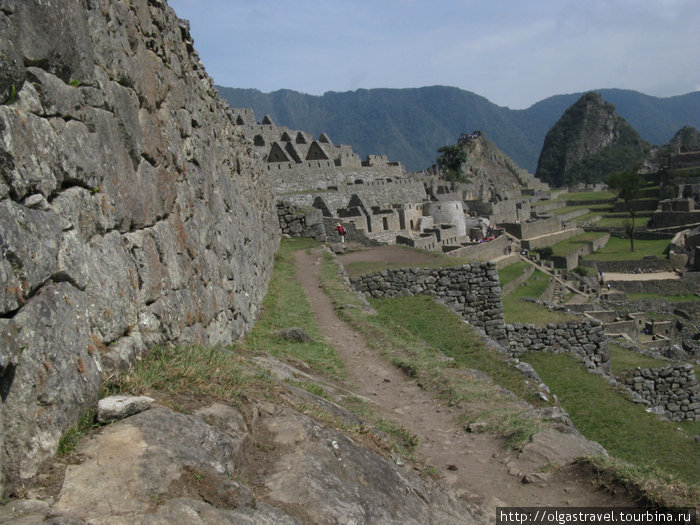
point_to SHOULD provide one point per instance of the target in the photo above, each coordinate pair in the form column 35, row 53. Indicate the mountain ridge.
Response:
column 410, row 124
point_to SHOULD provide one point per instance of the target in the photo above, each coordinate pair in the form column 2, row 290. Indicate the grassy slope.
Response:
column 619, row 250
column 620, row 425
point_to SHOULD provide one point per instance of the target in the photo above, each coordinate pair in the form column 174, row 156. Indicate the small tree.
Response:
column 628, row 185
column 451, row 160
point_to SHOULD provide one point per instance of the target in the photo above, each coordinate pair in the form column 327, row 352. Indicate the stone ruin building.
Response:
column 377, row 200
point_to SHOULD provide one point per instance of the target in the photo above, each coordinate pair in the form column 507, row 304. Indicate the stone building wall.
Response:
column 131, row 211
column 672, row 389
column 353, row 234
column 376, row 193
column 550, row 239
column 690, row 283
column 287, row 177
column 484, row 251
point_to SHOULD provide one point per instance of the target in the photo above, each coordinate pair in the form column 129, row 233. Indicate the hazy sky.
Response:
column 513, row 52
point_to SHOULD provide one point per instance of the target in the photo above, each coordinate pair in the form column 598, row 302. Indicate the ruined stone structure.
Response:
column 131, row 212
column 301, row 223
column 294, row 161
column 672, row 389
column 471, row 290
column 584, row 340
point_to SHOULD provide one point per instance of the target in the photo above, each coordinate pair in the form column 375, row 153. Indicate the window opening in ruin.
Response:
column 385, row 222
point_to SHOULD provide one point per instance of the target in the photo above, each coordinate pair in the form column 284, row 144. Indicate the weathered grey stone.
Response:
column 58, row 374
column 131, row 211
column 294, row 333
column 29, row 243
column 114, row 408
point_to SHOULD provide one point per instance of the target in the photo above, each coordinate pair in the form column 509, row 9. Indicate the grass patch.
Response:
column 430, row 260
column 71, row 438
column 621, row 426
column 651, row 485
column 404, row 443
column 618, row 249
column 190, row 370
column 444, row 330
column 574, row 244
column 512, row 271
column 642, row 296
column 286, row 305
column 622, row 359
column 517, row 310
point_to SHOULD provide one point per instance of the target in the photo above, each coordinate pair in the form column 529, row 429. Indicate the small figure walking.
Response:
column 341, row 231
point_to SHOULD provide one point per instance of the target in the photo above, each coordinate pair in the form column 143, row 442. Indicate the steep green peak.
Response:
column 588, row 143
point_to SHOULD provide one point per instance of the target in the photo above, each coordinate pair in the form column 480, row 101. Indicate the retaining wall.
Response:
column 672, row 388
column 585, row 340
column 472, row 290
column 484, row 251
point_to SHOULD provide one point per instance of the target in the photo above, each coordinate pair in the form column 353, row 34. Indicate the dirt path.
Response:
column 476, row 465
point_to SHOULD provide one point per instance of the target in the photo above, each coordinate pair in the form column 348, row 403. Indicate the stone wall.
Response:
column 550, row 239
column 690, row 283
column 648, row 264
column 584, row 340
column 308, row 175
column 573, row 259
column 373, row 193
column 672, row 389
column 353, row 234
column 472, row 290
column 534, row 228
column 131, row 212
column 301, row 223
column 484, row 251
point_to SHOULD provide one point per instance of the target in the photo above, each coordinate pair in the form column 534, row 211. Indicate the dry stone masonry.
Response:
column 584, row 340
column 132, row 211
column 301, row 222
column 472, row 290
column 672, row 389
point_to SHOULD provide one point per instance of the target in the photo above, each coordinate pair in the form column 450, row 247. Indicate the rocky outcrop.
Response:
column 131, row 211
column 160, row 466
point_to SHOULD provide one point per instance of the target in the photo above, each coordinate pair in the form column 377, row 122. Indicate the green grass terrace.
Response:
column 618, row 249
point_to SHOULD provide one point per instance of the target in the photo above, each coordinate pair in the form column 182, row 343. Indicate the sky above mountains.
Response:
column 513, row 52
